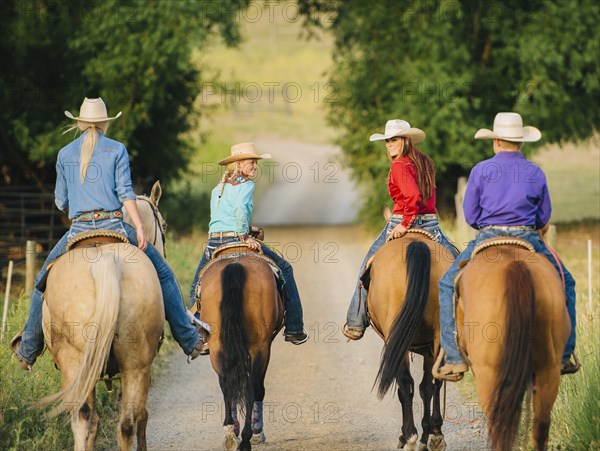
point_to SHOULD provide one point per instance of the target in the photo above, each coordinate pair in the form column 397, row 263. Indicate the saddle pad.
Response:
column 95, row 237
column 501, row 240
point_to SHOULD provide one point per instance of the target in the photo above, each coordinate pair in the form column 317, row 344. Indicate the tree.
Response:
column 134, row 54
column 448, row 67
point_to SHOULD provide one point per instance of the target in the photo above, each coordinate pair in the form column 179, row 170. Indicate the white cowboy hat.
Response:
column 399, row 127
column 243, row 151
column 509, row 127
column 92, row 110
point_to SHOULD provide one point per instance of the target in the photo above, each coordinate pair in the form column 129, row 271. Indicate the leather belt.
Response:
column 427, row 217
column 98, row 215
column 223, row 234
column 507, row 228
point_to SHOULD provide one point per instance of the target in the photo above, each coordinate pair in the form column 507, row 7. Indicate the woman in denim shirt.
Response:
column 93, row 182
column 230, row 210
column 411, row 184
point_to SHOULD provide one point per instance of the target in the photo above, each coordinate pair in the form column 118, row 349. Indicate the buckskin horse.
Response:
column 245, row 315
column 103, row 314
column 404, row 309
column 515, row 325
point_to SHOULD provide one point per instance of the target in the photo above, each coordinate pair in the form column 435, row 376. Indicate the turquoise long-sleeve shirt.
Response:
column 232, row 212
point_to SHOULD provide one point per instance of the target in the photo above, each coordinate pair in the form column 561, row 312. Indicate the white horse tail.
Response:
column 99, row 334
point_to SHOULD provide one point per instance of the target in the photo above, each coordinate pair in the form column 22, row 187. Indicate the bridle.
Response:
column 161, row 225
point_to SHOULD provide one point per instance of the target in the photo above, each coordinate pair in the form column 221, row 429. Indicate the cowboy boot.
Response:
column 14, row 345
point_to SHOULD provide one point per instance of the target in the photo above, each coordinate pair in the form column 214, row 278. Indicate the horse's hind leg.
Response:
column 259, row 371
column 84, row 424
column 134, row 416
column 231, row 440
column 544, row 395
column 432, row 420
column 406, row 388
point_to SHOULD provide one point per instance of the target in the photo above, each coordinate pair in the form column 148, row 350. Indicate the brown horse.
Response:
column 514, row 304
column 103, row 314
column 404, row 308
column 245, row 315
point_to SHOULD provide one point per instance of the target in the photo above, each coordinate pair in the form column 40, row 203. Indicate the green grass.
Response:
column 22, row 425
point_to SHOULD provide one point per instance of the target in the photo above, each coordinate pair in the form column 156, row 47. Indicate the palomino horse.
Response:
column 509, row 288
column 103, row 314
column 404, row 308
column 245, row 315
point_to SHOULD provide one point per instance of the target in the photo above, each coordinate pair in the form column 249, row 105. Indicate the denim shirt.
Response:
column 107, row 183
column 231, row 212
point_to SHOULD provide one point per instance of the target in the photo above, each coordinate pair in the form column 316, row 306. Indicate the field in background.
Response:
column 274, row 86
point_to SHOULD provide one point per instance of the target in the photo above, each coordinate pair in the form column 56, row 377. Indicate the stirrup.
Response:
column 352, row 333
column 570, row 367
column 455, row 375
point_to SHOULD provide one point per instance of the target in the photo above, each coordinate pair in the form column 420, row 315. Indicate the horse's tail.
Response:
column 516, row 366
column 234, row 357
column 408, row 321
column 99, row 334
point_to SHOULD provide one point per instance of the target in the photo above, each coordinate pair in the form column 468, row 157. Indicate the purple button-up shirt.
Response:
column 507, row 190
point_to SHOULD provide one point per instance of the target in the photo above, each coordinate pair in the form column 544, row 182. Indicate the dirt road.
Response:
column 318, row 395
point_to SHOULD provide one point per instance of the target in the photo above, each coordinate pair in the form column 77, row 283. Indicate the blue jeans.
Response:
column 446, row 285
column 182, row 329
column 357, row 312
column 291, row 297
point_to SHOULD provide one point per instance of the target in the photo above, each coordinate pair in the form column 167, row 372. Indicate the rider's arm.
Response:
column 133, row 212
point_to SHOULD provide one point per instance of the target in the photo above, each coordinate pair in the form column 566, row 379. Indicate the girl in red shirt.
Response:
column 411, row 184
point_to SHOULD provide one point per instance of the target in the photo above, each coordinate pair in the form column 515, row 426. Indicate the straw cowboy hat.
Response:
column 92, row 110
column 509, row 127
column 399, row 127
column 243, row 151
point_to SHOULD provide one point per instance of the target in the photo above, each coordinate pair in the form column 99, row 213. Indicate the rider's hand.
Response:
column 141, row 238
column 254, row 245
column 398, row 231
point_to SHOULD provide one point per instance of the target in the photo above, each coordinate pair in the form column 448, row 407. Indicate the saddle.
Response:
column 89, row 238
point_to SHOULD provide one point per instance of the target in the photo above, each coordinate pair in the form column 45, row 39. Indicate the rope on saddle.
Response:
column 415, row 230
column 501, row 241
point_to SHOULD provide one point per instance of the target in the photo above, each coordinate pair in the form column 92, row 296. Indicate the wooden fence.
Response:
column 28, row 214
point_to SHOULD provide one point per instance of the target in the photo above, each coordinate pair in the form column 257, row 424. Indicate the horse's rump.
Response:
column 513, row 326
column 98, row 298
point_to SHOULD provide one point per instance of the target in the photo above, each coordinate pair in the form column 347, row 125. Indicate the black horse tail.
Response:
column 234, row 356
column 408, row 321
column 516, row 365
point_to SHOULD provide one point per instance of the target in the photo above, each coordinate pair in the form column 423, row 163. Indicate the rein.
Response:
column 157, row 221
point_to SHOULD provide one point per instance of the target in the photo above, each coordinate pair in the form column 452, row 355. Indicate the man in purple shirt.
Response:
column 506, row 195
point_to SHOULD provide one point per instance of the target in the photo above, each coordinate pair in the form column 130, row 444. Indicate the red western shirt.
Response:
column 404, row 191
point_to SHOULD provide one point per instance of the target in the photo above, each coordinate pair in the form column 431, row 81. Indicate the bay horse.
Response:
column 514, row 304
column 245, row 314
column 103, row 314
column 404, row 308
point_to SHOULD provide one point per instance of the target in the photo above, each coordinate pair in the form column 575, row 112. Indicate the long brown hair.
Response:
column 424, row 165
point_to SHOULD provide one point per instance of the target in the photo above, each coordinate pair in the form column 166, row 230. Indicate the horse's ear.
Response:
column 156, row 193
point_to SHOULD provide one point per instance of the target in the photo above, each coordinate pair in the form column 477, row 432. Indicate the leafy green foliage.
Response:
column 134, row 54
column 448, row 67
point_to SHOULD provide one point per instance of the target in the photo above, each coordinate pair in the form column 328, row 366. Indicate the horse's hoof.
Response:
column 413, row 444
column 231, row 441
column 258, row 438
column 437, row 442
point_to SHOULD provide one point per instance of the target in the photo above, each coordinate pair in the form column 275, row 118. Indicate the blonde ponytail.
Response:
column 88, row 145
column 228, row 173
